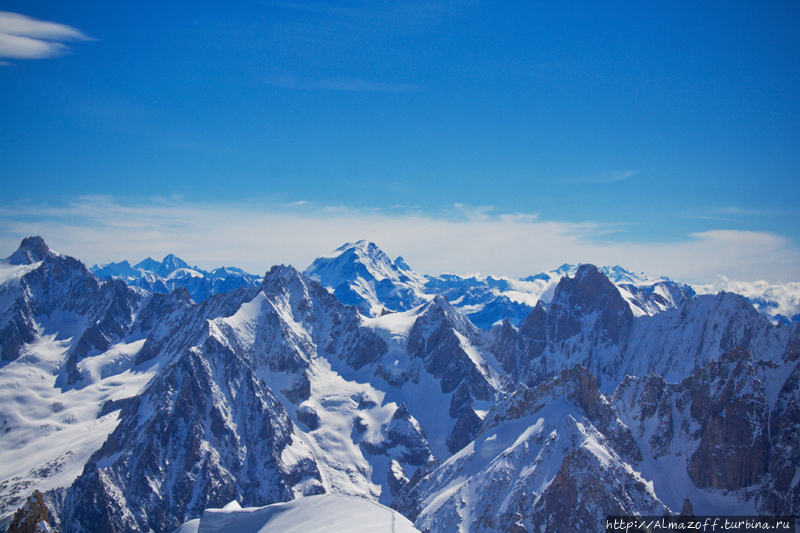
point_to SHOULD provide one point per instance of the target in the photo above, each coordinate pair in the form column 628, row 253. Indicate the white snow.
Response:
column 326, row 513
column 48, row 434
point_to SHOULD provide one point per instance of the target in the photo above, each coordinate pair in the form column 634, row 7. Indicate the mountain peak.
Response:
column 170, row 264
column 31, row 250
column 361, row 274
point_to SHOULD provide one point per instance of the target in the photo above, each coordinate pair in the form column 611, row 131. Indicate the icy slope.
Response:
column 276, row 392
column 314, row 514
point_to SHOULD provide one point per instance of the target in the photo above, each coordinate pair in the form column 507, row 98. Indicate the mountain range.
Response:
column 481, row 404
column 361, row 274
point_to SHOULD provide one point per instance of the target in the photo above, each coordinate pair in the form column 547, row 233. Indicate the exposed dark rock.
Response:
column 31, row 250
column 687, row 509
column 33, row 517
column 464, row 431
column 403, row 440
column 728, row 401
column 308, row 416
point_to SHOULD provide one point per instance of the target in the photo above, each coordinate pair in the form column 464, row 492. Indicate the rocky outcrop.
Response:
column 442, row 338
column 728, row 402
column 780, row 494
column 589, row 323
column 578, row 386
column 62, row 284
column 716, row 422
column 31, row 250
column 33, row 517
column 551, row 457
column 403, row 440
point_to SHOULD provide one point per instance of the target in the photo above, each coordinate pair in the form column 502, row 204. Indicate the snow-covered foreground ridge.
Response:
column 134, row 410
column 315, row 514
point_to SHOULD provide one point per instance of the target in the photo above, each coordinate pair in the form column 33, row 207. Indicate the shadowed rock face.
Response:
column 720, row 413
column 207, row 429
column 778, row 497
column 727, row 399
column 31, row 250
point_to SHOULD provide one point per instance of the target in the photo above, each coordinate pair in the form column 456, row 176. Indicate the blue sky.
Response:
column 500, row 137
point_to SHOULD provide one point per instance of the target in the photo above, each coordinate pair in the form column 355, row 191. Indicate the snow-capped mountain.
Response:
column 361, row 274
column 135, row 411
column 173, row 272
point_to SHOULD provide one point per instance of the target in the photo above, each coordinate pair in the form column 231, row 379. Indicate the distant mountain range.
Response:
column 136, row 410
column 361, row 274
column 173, row 272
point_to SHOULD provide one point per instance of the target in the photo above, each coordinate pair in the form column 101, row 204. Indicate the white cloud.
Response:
column 783, row 298
column 23, row 37
column 462, row 240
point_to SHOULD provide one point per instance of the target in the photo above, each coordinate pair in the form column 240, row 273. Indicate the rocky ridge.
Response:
column 279, row 390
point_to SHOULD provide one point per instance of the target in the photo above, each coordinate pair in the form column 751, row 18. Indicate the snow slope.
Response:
column 314, row 514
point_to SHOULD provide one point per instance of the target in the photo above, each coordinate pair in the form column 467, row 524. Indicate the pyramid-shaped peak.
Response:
column 353, row 260
column 170, row 264
column 31, row 250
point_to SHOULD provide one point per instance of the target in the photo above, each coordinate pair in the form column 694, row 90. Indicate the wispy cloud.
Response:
column 608, row 176
column 23, row 37
column 254, row 237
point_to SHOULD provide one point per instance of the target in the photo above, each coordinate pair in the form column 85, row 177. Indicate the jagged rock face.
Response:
column 333, row 327
column 715, row 422
column 578, row 386
column 464, row 431
column 780, row 494
column 205, row 432
column 33, row 517
column 583, row 493
column 589, row 323
column 208, row 429
column 587, row 315
column 31, row 250
column 539, row 460
column 403, row 440
column 589, row 292
column 63, row 284
column 441, row 337
column 236, row 369
column 728, row 401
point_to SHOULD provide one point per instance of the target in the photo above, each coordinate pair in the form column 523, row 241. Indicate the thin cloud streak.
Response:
column 23, row 37
column 604, row 177
column 102, row 230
